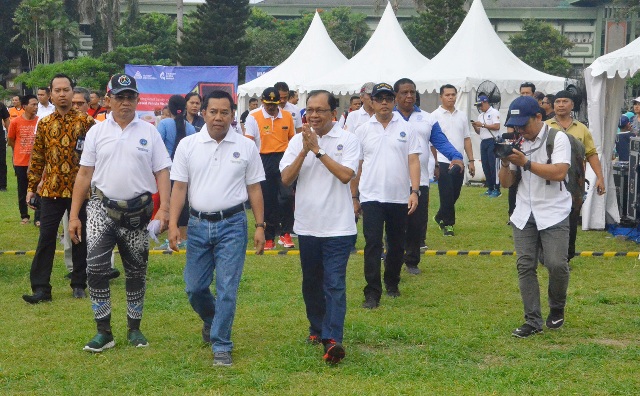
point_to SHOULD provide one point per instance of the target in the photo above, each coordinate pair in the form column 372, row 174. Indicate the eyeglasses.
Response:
column 317, row 111
column 381, row 99
column 122, row 98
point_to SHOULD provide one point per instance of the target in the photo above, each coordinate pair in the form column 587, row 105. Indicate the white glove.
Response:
column 154, row 229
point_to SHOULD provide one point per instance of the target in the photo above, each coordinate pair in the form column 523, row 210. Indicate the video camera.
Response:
column 503, row 149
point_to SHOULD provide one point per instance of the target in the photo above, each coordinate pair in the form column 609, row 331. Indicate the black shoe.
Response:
column 393, row 291
column 114, row 273
column 370, row 302
column 206, row 334
column 79, row 292
column 555, row 320
column 413, row 269
column 526, row 330
column 37, row 297
column 333, row 351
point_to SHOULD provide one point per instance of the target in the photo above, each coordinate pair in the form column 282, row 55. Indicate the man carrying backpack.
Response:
column 563, row 105
column 540, row 220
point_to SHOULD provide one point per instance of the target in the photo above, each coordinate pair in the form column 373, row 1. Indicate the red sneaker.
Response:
column 333, row 351
column 285, row 240
column 269, row 245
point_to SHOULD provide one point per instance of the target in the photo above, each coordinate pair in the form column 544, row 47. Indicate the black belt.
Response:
column 122, row 205
column 217, row 216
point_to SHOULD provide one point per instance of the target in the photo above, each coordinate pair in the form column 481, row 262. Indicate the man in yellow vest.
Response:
column 271, row 128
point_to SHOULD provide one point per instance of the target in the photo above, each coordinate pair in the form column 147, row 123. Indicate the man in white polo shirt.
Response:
column 488, row 126
column 323, row 158
column 124, row 161
column 390, row 164
column 221, row 170
column 364, row 113
column 428, row 131
column 455, row 125
column 540, row 220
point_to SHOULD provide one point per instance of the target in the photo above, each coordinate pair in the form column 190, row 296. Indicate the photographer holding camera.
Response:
column 540, row 203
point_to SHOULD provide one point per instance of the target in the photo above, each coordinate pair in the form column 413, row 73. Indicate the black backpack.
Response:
column 576, row 172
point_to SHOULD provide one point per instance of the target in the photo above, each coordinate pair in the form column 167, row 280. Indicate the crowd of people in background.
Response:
column 310, row 172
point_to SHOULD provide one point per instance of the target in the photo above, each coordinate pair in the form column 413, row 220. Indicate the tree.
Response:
column 348, row 30
column 43, row 25
column 9, row 49
column 154, row 29
column 431, row 29
column 215, row 34
column 628, row 8
column 541, row 46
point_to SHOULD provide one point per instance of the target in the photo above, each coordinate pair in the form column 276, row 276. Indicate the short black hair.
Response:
column 445, row 86
column 190, row 95
column 292, row 93
column 45, row 89
column 331, row 98
column 551, row 98
column 538, row 95
column 218, row 94
column 396, row 86
column 61, row 75
column 97, row 93
column 351, row 99
column 281, row 86
column 253, row 100
column 528, row 85
column 24, row 100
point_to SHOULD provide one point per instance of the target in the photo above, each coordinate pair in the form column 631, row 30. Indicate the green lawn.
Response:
column 449, row 332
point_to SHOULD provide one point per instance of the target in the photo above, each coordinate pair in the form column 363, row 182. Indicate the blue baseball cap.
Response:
column 482, row 98
column 624, row 121
column 521, row 109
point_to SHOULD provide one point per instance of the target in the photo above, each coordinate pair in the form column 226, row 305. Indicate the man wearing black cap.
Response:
column 120, row 207
column 57, row 148
column 388, row 184
column 487, row 126
column 272, row 128
column 563, row 105
column 540, row 221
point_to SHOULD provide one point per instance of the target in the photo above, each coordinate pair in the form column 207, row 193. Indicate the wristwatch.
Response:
column 527, row 165
column 320, row 153
column 417, row 192
column 263, row 225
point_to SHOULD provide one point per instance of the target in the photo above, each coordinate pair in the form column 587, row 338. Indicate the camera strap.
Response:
column 542, row 141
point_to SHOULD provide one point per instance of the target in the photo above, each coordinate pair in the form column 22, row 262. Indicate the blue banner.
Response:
column 253, row 72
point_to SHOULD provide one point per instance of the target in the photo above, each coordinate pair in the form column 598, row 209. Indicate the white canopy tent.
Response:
column 605, row 81
column 474, row 54
column 387, row 57
column 315, row 54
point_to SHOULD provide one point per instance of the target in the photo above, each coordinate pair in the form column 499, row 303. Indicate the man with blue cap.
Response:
column 540, row 220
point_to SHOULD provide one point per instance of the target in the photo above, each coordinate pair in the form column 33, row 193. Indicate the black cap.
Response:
column 271, row 96
column 381, row 88
column 123, row 82
column 564, row 95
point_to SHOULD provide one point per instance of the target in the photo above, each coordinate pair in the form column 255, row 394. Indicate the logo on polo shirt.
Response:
column 403, row 137
column 143, row 142
column 403, row 134
column 340, row 147
column 236, row 155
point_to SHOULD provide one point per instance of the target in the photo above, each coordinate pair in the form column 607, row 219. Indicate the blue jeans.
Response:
column 324, row 269
column 489, row 163
column 219, row 246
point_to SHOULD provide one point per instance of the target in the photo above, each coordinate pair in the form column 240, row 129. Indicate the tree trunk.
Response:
column 58, row 46
column 179, row 20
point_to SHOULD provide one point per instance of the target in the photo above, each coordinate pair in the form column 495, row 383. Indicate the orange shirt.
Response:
column 54, row 151
column 275, row 133
column 15, row 113
column 23, row 132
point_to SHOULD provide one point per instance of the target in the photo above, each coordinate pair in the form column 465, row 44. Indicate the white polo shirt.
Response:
column 356, row 118
column 455, row 126
column 324, row 207
column 45, row 110
column 295, row 112
column 218, row 173
column 489, row 117
column 549, row 204
column 124, row 160
column 421, row 123
column 385, row 170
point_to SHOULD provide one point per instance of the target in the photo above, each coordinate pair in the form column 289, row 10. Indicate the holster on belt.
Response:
column 132, row 214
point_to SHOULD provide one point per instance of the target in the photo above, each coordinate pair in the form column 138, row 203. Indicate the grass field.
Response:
column 449, row 332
